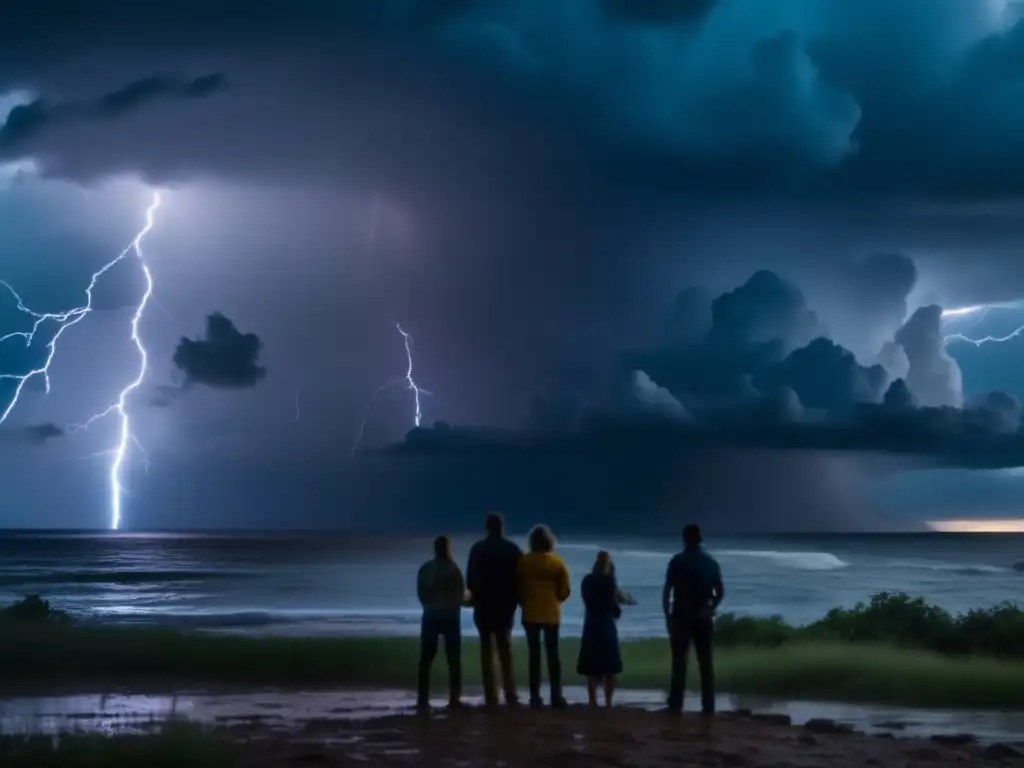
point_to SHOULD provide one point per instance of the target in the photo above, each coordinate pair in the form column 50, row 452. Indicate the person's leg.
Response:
column 503, row 642
column 609, row 689
column 487, row 662
column 592, row 683
column 453, row 655
column 680, row 644
column 428, row 650
column 554, row 664
column 703, row 635
column 533, row 650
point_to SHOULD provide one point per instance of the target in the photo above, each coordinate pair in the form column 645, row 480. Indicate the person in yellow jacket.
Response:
column 543, row 587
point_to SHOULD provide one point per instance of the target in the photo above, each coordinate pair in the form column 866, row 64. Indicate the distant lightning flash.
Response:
column 410, row 383
column 982, row 310
column 71, row 317
column 418, row 417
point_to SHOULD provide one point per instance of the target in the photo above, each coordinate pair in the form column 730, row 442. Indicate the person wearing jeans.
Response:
column 543, row 587
column 442, row 593
column 693, row 589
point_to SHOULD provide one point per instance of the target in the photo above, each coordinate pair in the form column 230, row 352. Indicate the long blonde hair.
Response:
column 541, row 539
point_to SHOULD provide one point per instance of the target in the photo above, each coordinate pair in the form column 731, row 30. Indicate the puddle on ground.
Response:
column 313, row 711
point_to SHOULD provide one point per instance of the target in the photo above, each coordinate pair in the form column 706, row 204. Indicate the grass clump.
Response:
column 894, row 649
column 176, row 745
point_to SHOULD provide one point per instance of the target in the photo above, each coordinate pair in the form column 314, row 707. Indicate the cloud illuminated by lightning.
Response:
column 410, row 384
column 71, row 317
column 981, row 311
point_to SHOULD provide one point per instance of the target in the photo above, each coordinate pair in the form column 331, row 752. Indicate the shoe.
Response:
column 559, row 702
column 422, row 705
column 536, row 702
column 456, row 704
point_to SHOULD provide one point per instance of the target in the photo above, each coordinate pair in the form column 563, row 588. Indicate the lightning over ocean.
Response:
column 410, row 383
column 71, row 317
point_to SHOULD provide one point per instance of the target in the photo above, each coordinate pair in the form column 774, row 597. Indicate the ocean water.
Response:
column 343, row 585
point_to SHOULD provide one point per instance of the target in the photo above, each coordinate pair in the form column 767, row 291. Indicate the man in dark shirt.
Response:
column 442, row 593
column 693, row 590
column 492, row 578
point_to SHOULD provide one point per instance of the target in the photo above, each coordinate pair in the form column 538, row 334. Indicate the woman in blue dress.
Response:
column 600, row 660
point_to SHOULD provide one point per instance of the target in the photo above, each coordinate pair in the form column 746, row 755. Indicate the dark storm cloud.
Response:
column 29, row 122
column 38, row 434
column 225, row 358
column 867, row 97
column 759, row 380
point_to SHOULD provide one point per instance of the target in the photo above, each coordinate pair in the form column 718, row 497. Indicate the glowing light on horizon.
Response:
column 992, row 525
column 72, row 317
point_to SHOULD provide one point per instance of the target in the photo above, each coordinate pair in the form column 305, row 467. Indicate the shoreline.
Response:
column 284, row 710
column 577, row 736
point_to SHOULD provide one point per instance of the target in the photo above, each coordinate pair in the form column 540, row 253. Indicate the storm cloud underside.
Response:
column 566, row 168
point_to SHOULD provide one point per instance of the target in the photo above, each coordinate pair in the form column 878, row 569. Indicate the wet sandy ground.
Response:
column 289, row 711
column 580, row 737
column 379, row 728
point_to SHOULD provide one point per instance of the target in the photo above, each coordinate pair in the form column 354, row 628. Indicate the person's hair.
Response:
column 443, row 547
column 603, row 563
column 494, row 524
column 541, row 539
column 691, row 535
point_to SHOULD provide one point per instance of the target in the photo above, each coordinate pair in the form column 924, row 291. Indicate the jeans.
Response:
column 534, row 632
column 433, row 627
column 700, row 633
column 496, row 640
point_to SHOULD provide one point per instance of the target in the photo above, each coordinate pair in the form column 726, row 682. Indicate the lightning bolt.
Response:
column 982, row 311
column 72, row 317
column 410, row 384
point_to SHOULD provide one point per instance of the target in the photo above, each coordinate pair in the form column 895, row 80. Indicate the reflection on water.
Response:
column 295, row 710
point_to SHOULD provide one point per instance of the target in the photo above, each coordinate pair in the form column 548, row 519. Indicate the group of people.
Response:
column 501, row 579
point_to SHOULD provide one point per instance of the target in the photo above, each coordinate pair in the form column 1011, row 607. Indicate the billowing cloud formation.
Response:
column 748, row 383
column 902, row 96
column 655, row 399
column 933, row 376
column 225, row 358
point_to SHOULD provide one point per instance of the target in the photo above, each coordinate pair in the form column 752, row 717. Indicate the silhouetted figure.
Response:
column 442, row 593
column 693, row 590
column 543, row 587
column 600, row 659
column 492, row 576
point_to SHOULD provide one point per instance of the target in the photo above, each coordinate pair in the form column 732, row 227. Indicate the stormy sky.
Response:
column 574, row 207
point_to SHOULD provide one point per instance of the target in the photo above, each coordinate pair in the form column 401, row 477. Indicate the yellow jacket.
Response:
column 543, row 587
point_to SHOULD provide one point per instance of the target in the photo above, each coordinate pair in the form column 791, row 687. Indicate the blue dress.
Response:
column 599, row 647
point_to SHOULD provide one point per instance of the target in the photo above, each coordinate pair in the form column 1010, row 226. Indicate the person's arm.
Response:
column 517, row 582
column 562, row 588
column 422, row 586
column 666, row 591
column 473, row 570
column 718, row 589
column 464, row 595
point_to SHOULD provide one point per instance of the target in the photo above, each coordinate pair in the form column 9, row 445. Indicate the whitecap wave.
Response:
column 801, row 561
column 966, row 569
